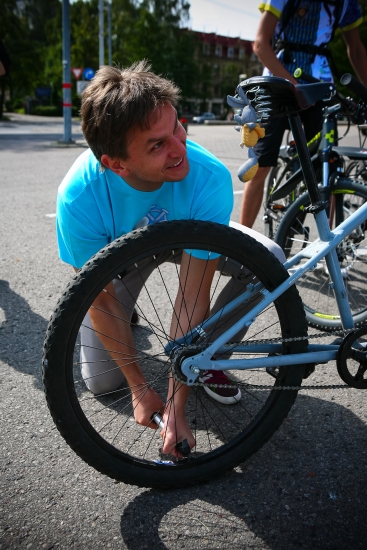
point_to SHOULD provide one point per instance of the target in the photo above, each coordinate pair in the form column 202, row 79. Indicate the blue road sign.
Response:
column 88, row 73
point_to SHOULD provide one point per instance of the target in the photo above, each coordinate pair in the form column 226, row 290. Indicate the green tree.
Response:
column 22, row 31
column 146, row 29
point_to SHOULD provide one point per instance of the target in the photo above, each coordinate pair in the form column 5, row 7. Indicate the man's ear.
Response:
column 116, row 165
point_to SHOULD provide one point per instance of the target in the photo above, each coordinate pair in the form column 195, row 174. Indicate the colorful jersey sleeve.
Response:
column 274, row 6
column 351, row 16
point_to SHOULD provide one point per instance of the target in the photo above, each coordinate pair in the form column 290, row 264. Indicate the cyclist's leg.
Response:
column 267, row 150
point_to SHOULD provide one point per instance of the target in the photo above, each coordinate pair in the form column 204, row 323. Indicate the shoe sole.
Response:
column 224, row 400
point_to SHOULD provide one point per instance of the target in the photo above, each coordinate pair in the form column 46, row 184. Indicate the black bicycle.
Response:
column 345, row 190
column 285, row 182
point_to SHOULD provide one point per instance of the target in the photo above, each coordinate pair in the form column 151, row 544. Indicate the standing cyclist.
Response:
column 292, row 34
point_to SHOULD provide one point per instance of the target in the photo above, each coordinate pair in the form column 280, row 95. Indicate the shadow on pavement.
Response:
column 21, row 334
column 305, row 489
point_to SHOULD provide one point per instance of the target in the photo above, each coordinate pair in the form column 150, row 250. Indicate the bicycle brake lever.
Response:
column 183, row 447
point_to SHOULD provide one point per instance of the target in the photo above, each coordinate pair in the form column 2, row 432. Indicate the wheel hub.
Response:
column 180, row 356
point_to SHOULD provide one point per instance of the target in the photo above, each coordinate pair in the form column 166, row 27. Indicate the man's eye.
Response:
column 157, row 145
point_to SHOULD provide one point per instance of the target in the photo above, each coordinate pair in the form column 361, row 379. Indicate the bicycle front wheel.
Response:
column 297, row 229
column 101, row 428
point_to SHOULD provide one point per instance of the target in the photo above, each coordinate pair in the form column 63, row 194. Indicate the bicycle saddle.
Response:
column 272, row 96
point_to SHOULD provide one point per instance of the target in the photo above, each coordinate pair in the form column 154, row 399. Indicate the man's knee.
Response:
column 273, row 247
column 101, row 383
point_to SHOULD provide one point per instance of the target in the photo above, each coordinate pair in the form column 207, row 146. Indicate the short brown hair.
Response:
column 118, row 100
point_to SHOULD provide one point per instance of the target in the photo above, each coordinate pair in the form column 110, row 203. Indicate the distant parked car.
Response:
column 205, row 116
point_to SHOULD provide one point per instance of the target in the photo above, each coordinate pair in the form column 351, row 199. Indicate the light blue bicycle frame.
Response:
column 323, row 247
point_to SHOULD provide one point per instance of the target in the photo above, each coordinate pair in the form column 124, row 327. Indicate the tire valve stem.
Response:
column 183, row 447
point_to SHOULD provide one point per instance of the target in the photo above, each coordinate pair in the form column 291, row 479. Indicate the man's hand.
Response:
column 145, row 403
column 175, row 430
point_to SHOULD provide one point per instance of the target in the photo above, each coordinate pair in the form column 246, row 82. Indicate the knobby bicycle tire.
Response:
column 101, row 429
column 297, row 229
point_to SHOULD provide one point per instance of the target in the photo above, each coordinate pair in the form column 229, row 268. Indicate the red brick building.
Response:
column 223, row 61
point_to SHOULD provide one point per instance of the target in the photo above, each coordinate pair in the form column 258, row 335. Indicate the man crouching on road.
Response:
column 139, row 159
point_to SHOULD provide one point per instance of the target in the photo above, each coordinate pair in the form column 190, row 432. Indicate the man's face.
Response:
column 158, row 154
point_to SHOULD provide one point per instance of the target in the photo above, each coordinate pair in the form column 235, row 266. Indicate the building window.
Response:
column 206, row 49
column 242, row 53
column 218, row 50
column 230, row 53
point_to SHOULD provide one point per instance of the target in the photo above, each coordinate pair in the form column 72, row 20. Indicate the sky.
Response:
column 225, row 17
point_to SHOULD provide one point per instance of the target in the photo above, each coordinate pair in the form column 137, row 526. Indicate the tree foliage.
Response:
column 339, row 50
column 141, row 29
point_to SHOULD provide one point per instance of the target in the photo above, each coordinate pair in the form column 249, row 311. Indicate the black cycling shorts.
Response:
column 267, row 148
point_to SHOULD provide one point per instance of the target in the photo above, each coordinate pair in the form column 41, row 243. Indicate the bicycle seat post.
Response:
column 305, row 159
column 317, row 206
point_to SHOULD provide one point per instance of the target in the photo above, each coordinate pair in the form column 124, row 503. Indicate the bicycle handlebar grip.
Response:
column 298, row 73
column 354, row 85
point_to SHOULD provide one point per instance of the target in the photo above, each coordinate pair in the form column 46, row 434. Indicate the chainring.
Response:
column 351, row 360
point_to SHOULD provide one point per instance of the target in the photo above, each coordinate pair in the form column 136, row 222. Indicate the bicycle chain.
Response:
column 276, row 341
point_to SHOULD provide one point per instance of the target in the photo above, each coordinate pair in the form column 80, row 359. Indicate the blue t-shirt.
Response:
column 310, row 23
column 95, row 207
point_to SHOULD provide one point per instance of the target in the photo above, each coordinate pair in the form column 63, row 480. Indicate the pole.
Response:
column 66, row 74
column 101, row 33
column 109, row 32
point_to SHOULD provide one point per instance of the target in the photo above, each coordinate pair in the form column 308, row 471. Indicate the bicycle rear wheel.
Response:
column 357, row 169
column 101, row 429
column 297, row 229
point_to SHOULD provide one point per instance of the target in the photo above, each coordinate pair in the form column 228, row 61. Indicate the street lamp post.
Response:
column 101, row 33
column 66, row 73
column 109, row 15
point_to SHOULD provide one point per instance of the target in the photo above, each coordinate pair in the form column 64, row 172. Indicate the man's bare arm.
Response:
column 112, row 326
column 263, row 48
column 191, row 308
column 357, row 53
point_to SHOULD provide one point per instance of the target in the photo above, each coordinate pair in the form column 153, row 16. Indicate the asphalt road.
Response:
column 306, row 488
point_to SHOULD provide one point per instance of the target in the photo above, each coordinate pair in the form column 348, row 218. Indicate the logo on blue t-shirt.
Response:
column 155, row 215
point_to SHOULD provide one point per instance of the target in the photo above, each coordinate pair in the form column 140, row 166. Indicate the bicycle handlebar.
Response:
column 354, row 85
column 298, row 73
